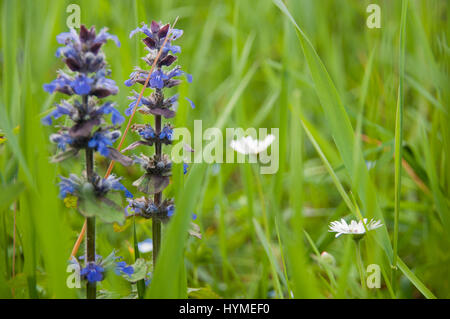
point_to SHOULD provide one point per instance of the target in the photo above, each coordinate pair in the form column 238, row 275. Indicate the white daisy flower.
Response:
column 354, row 228
column 248, row 145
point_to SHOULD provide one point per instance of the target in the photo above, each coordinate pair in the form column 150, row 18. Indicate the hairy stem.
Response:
column 156, row 224
column 156, row 230
column 91, row 288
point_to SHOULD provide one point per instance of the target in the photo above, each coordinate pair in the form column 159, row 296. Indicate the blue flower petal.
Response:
column 134, row 32
column 116, row 117
column 192, row 103
column 82, row 85
column 50, row 87
column 47, row 120
column 128, row 194
column 128, row 82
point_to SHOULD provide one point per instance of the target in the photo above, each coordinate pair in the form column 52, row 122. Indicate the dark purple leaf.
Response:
column 96, row 47
column 149, row 42
column 151, row 184
column 83, row 129
column 168, row 60
column 154, row 26
column 101, row 93
column 64, row 155
column 142, row 81
column 171, row 83
column 65, row 90
column 72, row 64
column 168, row 114
column 84, row 33
column 92, row 34
column 115, row 155
column 132, row 146
column 163, row 31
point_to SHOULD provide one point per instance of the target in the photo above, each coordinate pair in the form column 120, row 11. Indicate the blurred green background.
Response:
column 262, row 234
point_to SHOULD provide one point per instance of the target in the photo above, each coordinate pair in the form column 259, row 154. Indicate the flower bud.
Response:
column 327, row 258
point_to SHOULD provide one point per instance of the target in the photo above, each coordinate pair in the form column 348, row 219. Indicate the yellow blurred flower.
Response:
column 71, row 201
column 3, row 135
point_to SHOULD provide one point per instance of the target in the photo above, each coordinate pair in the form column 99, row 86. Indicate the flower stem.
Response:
column 156, row 230
column 91, row 287
column 360, row 263
column 156, row 224
column 90, row 229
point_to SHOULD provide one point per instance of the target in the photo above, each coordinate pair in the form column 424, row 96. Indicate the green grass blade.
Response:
column 275, row 269
column 399, row 130
column 414, row 280
column 328, row 167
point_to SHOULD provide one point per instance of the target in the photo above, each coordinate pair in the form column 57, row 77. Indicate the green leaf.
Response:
column 9, row 193
column 140, row 267
column 398, row 146
column 414, row 280
column 64, row 155
column 151, row 184
column 275, row 269
column 109, row 261
column 202, row 293
column 103, row 208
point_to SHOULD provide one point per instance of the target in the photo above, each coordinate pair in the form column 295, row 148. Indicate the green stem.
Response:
column 156, row 224
column 360, row 263
column 91, row 288
column 156, row 230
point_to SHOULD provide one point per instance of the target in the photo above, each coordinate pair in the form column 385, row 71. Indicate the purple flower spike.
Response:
column 159, row 103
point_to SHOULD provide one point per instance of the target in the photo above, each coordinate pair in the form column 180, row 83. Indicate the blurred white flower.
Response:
column 370, row 164
column 354, row 228
column 145, row 246
column 248, row 145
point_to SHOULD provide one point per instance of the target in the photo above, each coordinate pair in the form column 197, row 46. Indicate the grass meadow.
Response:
column 363, row 131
